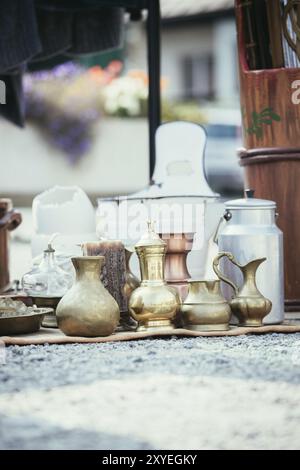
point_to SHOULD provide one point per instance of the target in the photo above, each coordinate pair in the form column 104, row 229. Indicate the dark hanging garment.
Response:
column 78, row 27
column 14, row 108
column 32, row 31
column 19, row 38
column 96, row 31
column 55, row 32
column 19, row 42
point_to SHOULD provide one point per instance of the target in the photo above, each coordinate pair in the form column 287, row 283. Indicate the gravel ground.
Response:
column 193, row 393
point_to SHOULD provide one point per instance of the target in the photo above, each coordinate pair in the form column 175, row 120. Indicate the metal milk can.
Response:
column 249, row 231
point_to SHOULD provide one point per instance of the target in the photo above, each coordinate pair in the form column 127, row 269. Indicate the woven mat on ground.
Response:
column 55, row 336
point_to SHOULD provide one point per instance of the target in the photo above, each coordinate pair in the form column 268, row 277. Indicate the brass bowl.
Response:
column 22, row 324
column 50, row 320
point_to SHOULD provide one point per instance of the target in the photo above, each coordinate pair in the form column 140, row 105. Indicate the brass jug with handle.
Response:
column 247, row 304
column 205, row 308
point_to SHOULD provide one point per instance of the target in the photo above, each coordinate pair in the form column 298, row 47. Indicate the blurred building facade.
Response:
column 199, row 62
column 199, row 58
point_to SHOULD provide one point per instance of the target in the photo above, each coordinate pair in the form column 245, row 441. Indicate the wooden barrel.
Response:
column 271, row 158
column 270, row 101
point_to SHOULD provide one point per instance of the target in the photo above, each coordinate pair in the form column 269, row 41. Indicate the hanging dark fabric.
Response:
column 14, row 108
column 33, row 31
column 19, row 38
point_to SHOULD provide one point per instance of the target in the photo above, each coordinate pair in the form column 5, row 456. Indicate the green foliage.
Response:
column 186, row 111
column 266, row 116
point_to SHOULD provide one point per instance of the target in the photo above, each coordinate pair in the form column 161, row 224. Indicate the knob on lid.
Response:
column 150, row 237
column 249, row 193
column 49, row 249
column 250, row 202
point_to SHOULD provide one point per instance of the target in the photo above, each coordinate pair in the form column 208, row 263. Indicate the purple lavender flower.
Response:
column 68, row 127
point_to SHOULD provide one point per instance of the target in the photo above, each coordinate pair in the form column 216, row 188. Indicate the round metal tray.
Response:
column 18, row 325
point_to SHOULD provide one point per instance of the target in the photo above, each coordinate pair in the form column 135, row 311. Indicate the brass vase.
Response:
column 248, row 304
column 154, row 304
column 205, row 308
column 176, row 273
column 88, row 309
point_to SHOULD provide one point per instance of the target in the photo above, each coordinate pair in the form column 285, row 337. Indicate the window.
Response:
column 198, row 77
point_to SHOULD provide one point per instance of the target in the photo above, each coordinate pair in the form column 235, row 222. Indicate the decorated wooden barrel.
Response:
column 270, row 105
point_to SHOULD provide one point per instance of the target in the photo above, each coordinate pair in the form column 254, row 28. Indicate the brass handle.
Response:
column 221, row 275
column 226, row 216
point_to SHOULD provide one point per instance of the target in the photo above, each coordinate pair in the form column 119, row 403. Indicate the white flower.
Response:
column 125, row 94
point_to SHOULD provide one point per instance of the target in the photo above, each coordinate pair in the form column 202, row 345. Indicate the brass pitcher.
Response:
column 248, row 304
column 88, row 309
column 205, row 308
column 154, row 304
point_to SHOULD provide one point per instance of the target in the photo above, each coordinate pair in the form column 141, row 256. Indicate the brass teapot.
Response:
column 205, row 308
column 154, row 304
column 248, row 304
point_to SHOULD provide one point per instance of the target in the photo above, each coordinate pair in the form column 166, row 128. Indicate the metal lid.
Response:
column 150, row 238
column 249, row 202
